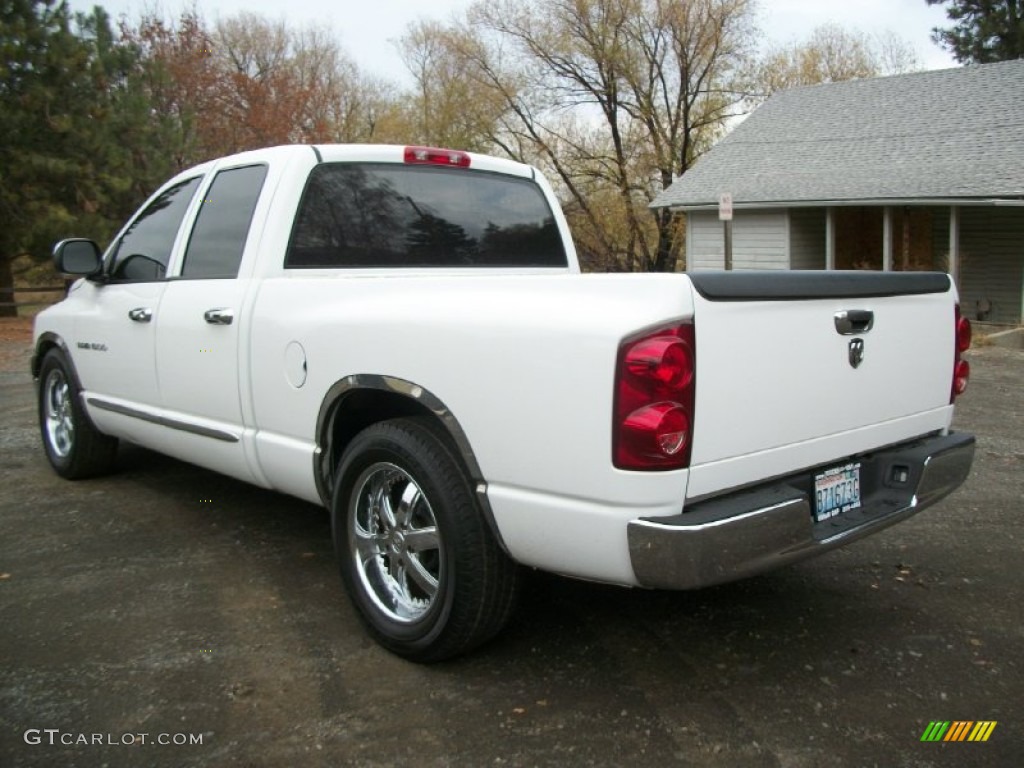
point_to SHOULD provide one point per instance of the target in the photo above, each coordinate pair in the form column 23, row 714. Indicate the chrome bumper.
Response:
column 743, row 533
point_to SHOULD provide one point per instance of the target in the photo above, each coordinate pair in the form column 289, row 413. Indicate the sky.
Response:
column 368, row 30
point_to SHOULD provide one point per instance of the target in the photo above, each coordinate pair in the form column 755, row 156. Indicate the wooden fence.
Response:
column 8, row 297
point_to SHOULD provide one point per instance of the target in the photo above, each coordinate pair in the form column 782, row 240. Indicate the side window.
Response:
column 391, row 215
column 222, row 226
column 144, row 250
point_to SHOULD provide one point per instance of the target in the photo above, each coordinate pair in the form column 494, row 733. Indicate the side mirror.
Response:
column 77, row 256
column 139, row 268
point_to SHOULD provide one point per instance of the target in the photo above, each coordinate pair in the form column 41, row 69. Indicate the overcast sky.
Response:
column 367, row 29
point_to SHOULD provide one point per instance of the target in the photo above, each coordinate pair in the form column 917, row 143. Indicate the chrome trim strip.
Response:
column 387, row 384
column 702, row 527
column 163, row 421
column 323, row 453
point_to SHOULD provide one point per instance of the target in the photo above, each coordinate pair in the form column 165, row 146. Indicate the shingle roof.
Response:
column 952, row 133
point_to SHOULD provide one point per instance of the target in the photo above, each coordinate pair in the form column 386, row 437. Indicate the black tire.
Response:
column 397, row 482
column 74, row 447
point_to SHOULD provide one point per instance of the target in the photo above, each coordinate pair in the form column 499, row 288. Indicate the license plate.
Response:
column 836, row 491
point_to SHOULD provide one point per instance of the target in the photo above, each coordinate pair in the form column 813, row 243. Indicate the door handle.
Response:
column 852, row 321
column 221, row 316
column 141, row 314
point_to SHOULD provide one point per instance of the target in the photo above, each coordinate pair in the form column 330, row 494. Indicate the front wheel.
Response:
column 74, row 447
column 417, row 558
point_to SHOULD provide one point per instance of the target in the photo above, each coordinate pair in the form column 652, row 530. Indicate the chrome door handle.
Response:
column 141, row 314
column 219, row 316
column 851, row 321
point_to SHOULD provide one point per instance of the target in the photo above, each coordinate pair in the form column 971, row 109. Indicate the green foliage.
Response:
column 78, row 145
column 983, row 31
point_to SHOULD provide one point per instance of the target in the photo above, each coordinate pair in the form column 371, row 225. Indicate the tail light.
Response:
column 451, row 158
column 654, row 400
column 961, row 368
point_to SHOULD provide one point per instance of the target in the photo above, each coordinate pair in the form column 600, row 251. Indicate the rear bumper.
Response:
column 733, row 536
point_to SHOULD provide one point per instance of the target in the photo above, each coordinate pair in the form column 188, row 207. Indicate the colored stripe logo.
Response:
column 958, row 730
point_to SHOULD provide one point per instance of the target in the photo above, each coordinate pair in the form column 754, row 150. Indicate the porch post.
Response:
column 954, row 244
column 830, row 238
column 887, row 239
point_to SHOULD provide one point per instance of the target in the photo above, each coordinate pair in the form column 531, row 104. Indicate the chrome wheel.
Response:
column 394, row 542
column 58, row 415
column 418, row 559
column 73, row 446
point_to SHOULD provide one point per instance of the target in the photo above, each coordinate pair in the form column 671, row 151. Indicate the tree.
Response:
column 342, row 103
column 183, row 83
column 983, row 30
column 831, row 54
column 446, row 109
column 76, row 141
column 614, row 98
column 249, row 82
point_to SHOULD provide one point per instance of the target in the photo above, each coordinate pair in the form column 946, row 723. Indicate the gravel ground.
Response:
column 168, row 601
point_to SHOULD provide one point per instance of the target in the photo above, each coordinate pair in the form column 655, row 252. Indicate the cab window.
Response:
column 222, row 226
column 143, row 252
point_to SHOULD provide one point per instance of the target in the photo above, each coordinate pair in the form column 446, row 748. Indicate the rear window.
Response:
column 388, row 215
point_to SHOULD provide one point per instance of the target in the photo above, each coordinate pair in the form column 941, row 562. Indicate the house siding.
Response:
column 807, row 238
column 759, row 240
column 992, row 261
column 706, row 244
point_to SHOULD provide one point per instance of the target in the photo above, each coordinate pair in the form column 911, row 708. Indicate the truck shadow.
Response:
column 812, row 611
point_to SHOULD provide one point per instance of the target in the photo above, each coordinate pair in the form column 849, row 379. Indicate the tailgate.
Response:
column 801, row 368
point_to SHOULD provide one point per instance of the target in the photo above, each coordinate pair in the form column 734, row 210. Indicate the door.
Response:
column 201, row 327
column 115, row 338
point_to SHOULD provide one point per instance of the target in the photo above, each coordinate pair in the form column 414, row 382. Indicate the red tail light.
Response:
column 961, row 374
column 961, row 368
column 654, row 400
column 963, row 332
column 452, row 158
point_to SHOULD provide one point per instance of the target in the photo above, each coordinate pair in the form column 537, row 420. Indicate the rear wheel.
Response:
column 74, row 447
column 417, row 558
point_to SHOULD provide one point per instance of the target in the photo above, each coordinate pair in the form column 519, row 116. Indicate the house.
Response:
column 917, row 171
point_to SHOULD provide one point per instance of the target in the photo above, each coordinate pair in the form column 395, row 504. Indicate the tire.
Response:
column 74, row 447
column 417, row 558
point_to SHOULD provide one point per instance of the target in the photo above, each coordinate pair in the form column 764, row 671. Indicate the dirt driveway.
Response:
column 169, row 604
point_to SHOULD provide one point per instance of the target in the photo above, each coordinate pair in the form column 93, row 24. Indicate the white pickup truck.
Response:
column 402, row 335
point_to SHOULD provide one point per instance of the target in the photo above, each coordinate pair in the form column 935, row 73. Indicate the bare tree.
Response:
column 831, row 54
column 896, row 56
column 615, row 98
column 447, row 108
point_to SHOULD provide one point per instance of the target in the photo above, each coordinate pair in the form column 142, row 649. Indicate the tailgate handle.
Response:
column 851, row 321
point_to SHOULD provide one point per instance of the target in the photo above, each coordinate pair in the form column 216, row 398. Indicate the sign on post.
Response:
column 725, row 206
column 725, row 216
